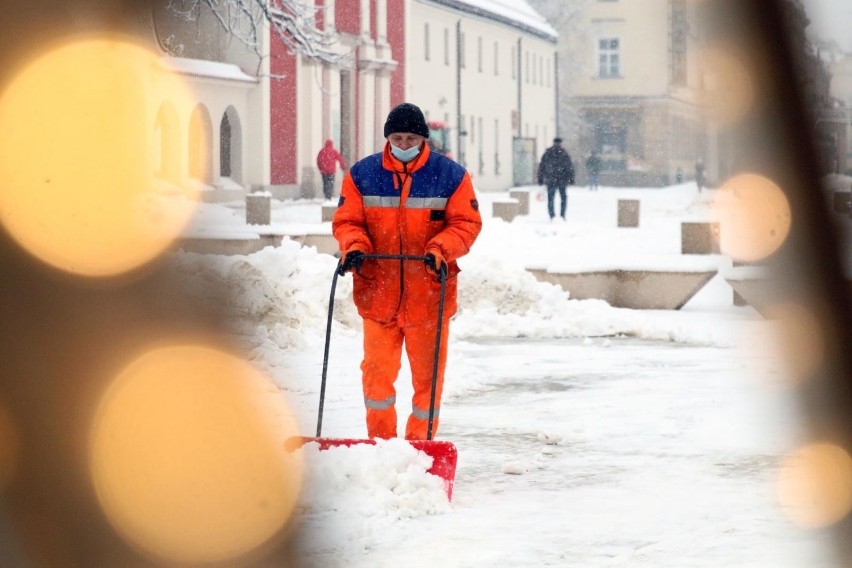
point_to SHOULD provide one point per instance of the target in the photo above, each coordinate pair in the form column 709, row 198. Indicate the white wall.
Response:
column 216, row 96
column 487, row 98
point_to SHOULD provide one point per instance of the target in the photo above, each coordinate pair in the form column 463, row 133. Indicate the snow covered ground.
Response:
column 588, row 435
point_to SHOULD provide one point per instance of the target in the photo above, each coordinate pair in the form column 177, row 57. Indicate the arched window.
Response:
column 225, row 147
column 230, row 146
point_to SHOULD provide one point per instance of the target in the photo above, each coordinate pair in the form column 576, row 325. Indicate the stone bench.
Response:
column 506, row 209
column 628, row 212
column 258, row 208
column 751, row 286
column 699, row 238
column 637, row 289
column 523, row 198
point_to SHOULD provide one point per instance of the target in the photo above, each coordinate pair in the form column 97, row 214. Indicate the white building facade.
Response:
column 487, row 69
column 256, row 123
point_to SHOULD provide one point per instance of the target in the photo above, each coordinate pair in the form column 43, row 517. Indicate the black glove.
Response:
column 434, row 265
column 353, row 259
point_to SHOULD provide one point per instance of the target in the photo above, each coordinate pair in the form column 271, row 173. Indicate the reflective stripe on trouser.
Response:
column 382, row 353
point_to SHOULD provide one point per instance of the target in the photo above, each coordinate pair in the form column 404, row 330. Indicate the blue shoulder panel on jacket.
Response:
column 439, row 177
column 371, row 178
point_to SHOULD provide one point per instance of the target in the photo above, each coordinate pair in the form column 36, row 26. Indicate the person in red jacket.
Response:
column 327, row 160
column 405, row 200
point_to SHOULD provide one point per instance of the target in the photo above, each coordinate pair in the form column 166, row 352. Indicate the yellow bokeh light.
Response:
column 729, row 91
column 78, row 158
column 754, row 215
column 187, row 456
column 815, row 485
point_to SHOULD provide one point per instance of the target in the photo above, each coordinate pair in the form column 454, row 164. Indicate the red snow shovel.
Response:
column 444, row 454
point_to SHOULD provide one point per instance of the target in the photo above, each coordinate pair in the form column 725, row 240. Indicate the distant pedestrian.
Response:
column 556, row 171
column 679, row 175
column 593, row 168
column 327, row 161
column 699, row 174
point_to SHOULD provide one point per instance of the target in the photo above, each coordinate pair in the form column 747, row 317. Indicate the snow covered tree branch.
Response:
column 294, row 22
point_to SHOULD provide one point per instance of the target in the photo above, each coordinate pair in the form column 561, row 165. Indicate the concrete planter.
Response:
column 637, row 289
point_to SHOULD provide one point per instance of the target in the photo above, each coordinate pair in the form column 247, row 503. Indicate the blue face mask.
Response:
column 405, row 155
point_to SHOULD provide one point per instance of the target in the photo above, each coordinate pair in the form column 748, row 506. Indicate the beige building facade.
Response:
column 637, row 92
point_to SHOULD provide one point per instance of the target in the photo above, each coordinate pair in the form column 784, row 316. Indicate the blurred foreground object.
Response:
column 780, row 220
column 132, row 432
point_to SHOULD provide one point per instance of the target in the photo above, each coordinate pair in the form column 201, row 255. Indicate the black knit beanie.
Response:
column 406, row 118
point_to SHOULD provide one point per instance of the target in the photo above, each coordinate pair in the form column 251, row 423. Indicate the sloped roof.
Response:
column 516, row 13
column 209, row 69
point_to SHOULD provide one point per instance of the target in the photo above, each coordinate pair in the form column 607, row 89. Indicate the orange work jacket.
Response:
column 388, row 207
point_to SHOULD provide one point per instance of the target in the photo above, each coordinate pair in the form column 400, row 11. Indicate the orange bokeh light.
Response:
column 754, row 217
column 78, row 158
column 187, row 456
column 815, row 485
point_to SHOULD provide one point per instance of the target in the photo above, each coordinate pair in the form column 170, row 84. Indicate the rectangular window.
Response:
column 472, row 130
column 534, row 74
column 426, row 41
column 446, row 46
column 496, row 58
column 481, row 149
column 527, row 67
column 547, row 72
column 462, row 58
column 678, row 41
column 609, row 64
column 541, row 70
column 479, row 54
column 496, row 147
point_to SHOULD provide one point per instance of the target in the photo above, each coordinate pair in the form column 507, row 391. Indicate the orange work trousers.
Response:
column 382, row 361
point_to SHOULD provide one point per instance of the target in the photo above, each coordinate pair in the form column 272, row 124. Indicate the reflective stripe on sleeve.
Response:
column 421, row 414
column 380, row 201
column 383, row 404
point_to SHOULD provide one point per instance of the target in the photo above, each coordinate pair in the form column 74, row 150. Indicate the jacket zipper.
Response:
column 399, row 228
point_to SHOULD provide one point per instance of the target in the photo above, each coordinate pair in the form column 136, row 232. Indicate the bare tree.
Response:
column 566, row 17
column 293, row 21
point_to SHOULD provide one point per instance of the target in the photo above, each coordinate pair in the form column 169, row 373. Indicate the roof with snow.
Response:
column 208, row 69
column 516, row 13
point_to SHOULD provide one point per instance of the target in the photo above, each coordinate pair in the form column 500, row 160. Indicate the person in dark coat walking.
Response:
column 327, row 160
column 556, row 171
column 699, row 174
column 593, row 168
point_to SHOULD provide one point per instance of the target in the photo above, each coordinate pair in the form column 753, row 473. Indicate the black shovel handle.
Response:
column 442, row 276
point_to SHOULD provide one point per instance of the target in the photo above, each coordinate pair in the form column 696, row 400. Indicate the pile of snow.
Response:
column 391, row 475
column 354, row 494
column 280, row 295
